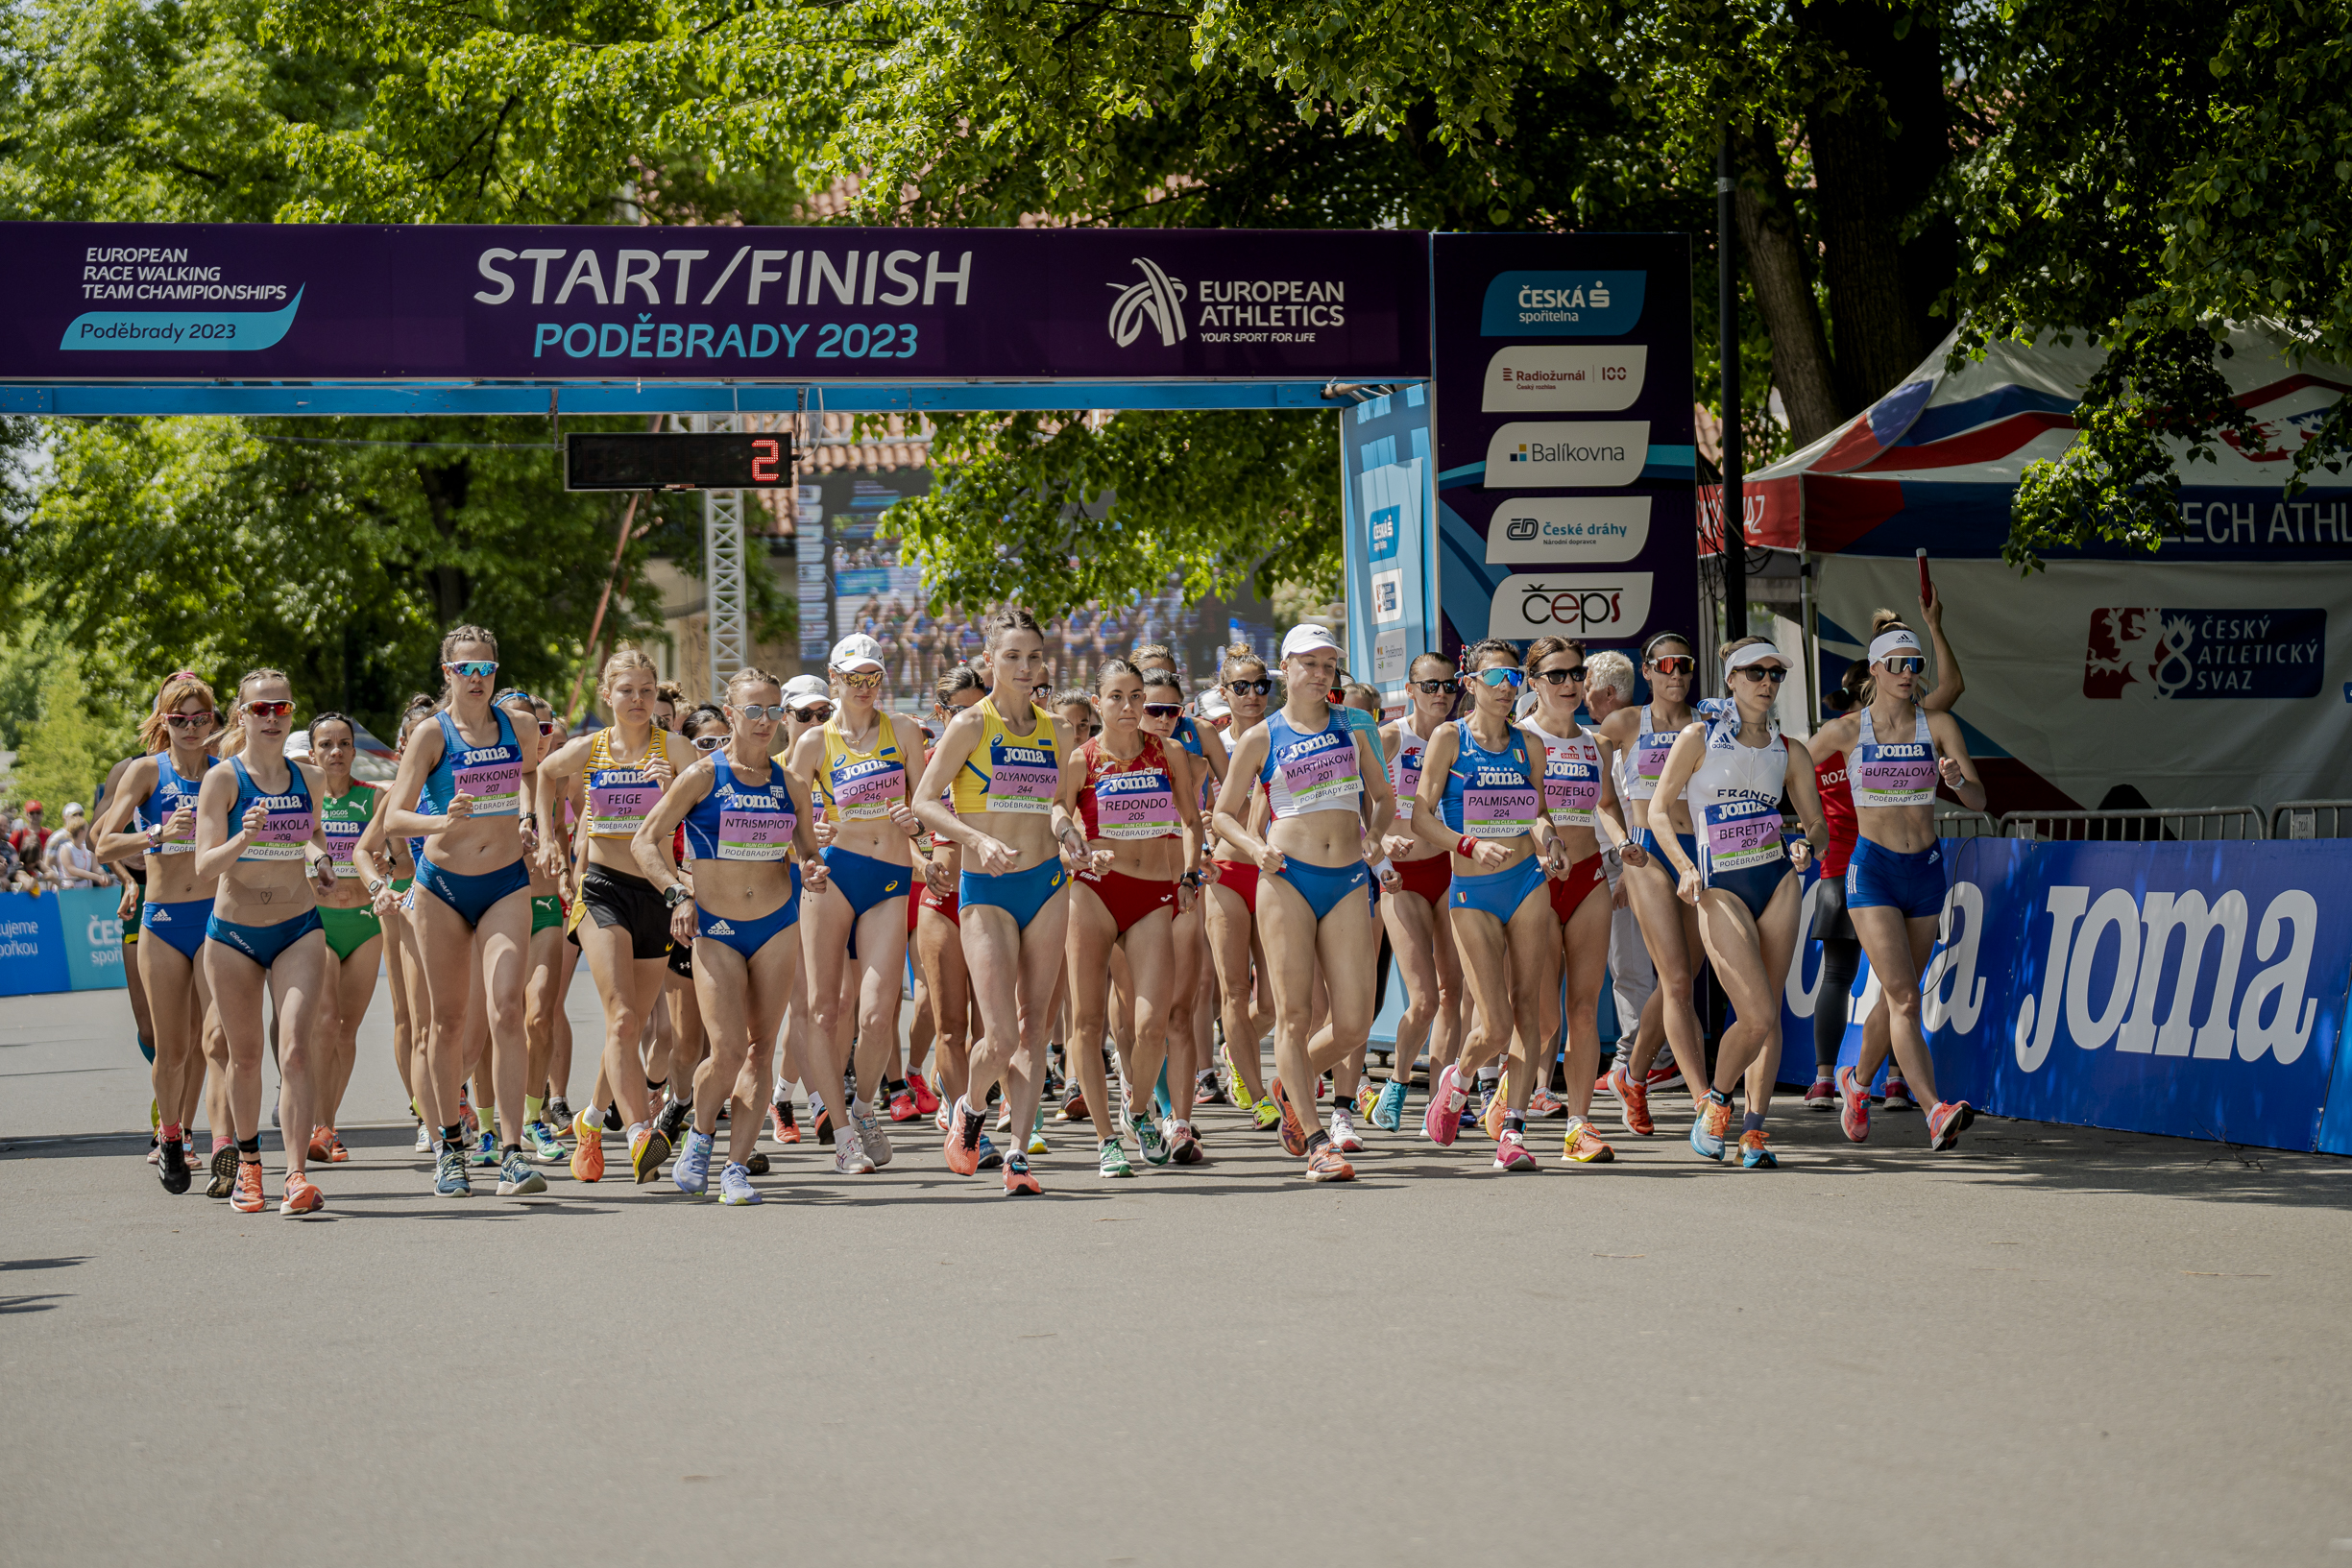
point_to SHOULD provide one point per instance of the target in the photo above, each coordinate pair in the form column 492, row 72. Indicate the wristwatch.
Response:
column 377, row 884
column 676, row 893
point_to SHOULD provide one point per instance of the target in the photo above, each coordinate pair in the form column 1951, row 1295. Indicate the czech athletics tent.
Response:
column 2213, row 672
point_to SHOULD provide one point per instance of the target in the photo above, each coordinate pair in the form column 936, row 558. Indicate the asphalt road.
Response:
column 2053, row 1345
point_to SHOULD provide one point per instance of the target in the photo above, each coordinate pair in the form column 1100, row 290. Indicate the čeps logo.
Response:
column 1570, row 604
column 2143, row 655
column 1158, row 301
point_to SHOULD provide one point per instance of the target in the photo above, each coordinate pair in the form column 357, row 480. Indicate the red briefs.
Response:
column 1584, row 876
column 1128, row 899
column 944, row 903
column 1242, row 878
column 1430, row 878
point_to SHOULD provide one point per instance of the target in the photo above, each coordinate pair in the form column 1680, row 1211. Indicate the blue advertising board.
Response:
column 68, row 941
column 2195, row 990
column 1385, row 500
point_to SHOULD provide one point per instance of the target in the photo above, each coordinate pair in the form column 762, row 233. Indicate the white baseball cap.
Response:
column 803, row 689
column 855, row 651
column 1306, row 638
column 1213, row 704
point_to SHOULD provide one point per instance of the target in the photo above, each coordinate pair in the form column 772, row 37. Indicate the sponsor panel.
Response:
column 1542, row 379
column 1591, row 605
column 1590, row 453
column 1567, row 530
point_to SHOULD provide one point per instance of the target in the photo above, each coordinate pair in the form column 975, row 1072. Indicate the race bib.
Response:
column 1319, row 771
column 1021, row 778
column 1497, row 804
column 1650, row 749
column 341, row 838
column 283, row 836
column 1741, row 835
column 1135, row 806
column 862, row 790
column 618, row 802
column 754, row 835
column 1408, row 781
column 1893, row 774
column 497, row 787
column 1571, row 791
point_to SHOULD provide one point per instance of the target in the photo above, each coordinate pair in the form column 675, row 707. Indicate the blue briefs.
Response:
column 866, row 882
column 472, row 897
column 263, row 944
column 1499, row 893
column 181, row 925
column 1324, row 886
column 748, row 936
column 1019, row 894
column 1880, row 878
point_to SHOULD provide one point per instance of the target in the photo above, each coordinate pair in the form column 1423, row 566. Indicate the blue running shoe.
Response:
column 516, row 1178
column 449, row 1178
column 991, row 1158
column 693, row 1172
column 1389, row 1110
column 1711, row 1128
column 1754, row 1154
column 485, row 1150
column 734, row 1185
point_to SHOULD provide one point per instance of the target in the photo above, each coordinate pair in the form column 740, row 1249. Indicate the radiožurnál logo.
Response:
column 2144, row 655
column 1157, row 301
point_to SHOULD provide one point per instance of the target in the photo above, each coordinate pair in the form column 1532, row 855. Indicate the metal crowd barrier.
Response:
column 1953, row 824
column 2311, row 819
column 2194, row 824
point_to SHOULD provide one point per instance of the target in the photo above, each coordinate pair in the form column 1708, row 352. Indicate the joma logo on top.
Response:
column 807, row 277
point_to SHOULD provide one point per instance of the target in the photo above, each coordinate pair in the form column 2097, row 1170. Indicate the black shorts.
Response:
column 682, row 960
column 1831, row 922
column 615, row 898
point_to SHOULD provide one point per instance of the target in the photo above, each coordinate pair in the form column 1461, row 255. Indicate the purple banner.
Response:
column 1565, row 448
column 268, row 301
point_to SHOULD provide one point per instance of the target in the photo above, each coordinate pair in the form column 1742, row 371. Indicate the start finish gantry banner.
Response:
column 160, row 302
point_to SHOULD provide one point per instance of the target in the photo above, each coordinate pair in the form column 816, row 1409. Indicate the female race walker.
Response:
column 1841, row 951
column 257, row 831
column 1481, row 779
column 1135, row 799
column 743, row 817
column 1004, row 760
column 1313, row 868
column 1895, row 753
column 1427, row 960
column 355, row 936
column 154, row 808
column 1670, row 927
column 1192, row 985
column 938, row 939
column 1579, row 795
column 1746, row 891
column 1235, row 948
column 618, row 919
column 473, row 901
column 863, row 762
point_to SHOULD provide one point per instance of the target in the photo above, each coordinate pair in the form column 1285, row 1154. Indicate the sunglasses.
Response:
column 1674, row 663
column 269, row 710
column 473, row 668
column 1436, row 688
column 1260, row 687
column 193, row 721
column 709, row 742
column 547, row 726
column 1559, row 677
column 1909, row 664
column 1775, row 673
column 869, row 682
column 811, row 714
column 1162, row 709
column 752, row 712
column 1498, row 677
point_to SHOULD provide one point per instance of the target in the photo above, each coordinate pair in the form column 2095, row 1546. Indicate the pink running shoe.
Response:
column 1441, row 1117
column 1853, row 1105
column 1511, row 1152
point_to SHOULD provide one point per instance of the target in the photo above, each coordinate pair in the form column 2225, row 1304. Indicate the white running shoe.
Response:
column 424, row 1138
column 871, row 1136
column 1343, row 1136
column 848, row 1158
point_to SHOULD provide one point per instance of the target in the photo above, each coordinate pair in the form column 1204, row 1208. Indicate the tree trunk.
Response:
column 1876, row 157
column 1780, row 271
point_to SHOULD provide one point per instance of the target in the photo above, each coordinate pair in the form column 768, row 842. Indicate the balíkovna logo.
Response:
column 2143, row 654
column 1158, row 299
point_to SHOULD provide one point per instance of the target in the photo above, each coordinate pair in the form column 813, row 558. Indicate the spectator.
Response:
column 72, row 858
column 31, row 839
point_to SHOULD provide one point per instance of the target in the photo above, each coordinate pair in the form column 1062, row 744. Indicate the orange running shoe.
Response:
column 1293, row 1132
column 337, row 1153
column 1327, row 1164
column 1633, row 1103
column 962, row 1148
column 248, row 1198
column 1018, row 1182
column 1583, row 1145
column 302, row 1196
column 588, row 1153
column 318, row 1142
column 1498, row 1104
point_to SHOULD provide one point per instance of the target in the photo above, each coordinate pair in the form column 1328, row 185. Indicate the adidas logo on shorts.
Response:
column 719, row 927
column 159, row 916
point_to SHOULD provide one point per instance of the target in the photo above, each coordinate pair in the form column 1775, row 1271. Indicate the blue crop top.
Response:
column 493, row 775
column 1498, row 787
column 737, row 821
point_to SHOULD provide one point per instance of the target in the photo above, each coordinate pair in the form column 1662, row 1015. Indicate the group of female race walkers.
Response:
column 1078, row 876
